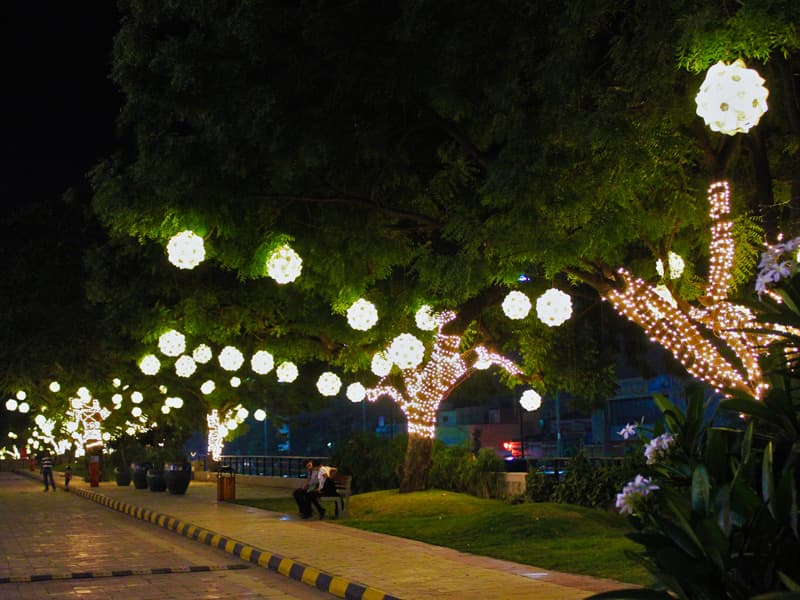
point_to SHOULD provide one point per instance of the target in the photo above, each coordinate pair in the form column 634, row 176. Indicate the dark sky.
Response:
column 58, row 104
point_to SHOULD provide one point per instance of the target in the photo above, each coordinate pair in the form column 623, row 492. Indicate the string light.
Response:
column 362, row 315
column 214, row 437
column 284, row 265
column 186, row 250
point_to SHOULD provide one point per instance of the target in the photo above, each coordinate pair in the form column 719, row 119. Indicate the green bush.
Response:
column 456, row 469
column 539, row 487
column 595, row 485
column 373, row 462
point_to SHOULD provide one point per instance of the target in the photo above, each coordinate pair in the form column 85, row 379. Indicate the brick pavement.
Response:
column 344, row 561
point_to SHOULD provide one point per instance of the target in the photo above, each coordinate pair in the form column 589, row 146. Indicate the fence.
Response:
column 268, row 466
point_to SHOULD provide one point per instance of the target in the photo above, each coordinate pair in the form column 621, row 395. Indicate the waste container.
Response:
column 226, row 484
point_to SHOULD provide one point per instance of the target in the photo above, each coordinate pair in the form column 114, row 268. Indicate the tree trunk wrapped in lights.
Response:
column 425, row 387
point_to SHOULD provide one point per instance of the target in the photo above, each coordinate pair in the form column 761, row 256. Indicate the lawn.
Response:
column 561, row 537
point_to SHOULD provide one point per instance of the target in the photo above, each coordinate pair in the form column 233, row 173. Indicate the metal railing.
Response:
column 270, row 466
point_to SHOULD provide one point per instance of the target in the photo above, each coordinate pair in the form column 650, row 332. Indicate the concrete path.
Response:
column 346, row 562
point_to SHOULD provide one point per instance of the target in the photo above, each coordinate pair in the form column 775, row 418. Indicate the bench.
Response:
column 342, row 498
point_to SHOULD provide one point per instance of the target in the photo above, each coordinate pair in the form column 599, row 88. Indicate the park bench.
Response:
column 342, row 498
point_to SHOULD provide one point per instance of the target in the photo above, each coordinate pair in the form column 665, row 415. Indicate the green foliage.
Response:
column 372, row 461
column 457, row 469
column 539, row 487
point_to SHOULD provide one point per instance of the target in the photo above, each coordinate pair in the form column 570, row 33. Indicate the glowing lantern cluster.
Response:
column 185, row 250
column 185, row 366
column 329, row 384
column 732, row 98
column 284, row 265
column 554, row 307
column 262, row 362
column 516, row 305
column 530, row 400
column 172, row 343
column 362, row 315
column 406, row 351
column 230, row 358
column 287, row 372
column 149, row 365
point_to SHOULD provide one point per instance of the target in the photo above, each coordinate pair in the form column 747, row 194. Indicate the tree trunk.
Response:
column 417, row 464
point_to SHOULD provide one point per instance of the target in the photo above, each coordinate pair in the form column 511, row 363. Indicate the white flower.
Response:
column 628, row 431
column 632, row 493
column 657, row 448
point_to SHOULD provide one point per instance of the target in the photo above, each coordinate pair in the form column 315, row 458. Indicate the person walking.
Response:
column 47, row 472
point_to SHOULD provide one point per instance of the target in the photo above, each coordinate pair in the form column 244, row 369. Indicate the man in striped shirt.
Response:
column 47, row 472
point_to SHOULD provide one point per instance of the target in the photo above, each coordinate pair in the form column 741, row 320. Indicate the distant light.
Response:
column 55, row 387
column 136, row 397
column 24, row 407
column 21, row 395
column 136, row 411
column 260, row 415
column 186, row 250
column 11, row 404
column 116, row 382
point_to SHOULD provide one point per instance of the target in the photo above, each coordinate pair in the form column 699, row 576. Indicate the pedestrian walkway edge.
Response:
column 338, row 586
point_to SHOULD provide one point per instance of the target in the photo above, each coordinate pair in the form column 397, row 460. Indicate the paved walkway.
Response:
column 346, row 562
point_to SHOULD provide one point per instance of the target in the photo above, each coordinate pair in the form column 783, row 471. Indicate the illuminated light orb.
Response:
column 516, row 305
column 84, row 394
column 116, row 382
column 406, row 351
column 136, row 411
column 136, row 397
column 230, row 358
column 163, row 389
column 202, row 354
column 21, row 395
column 362, row 315
column 262, row 362
column 425, row 318
column 116, row 398
column 329, row 384
column 174, row 402
column 241, row 414
column 55, row 386
column 235, row 382
column 284, row 265
column 172, row 343
column 530, row 400
column 185, row 250
column 663, row 292
column 208, row 387
column 11, row 404
column 260, row 415
column 381, row 364
column 287, row 372
column 554, row 307
column 24, row 407
column 676, row 265
column 356, row 392
column 165, row 409
column 732, row 98
column 185, row 366
column 149, row 365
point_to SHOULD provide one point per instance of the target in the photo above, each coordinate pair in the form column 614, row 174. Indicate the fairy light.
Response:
column 732, row 98
column 516, row 305
column 362, row 315
column 230, row 358
column 262, row 362
column 186, row 250
column 172, row 343
column 284, row 265
column 287, row 372
column 214, row 435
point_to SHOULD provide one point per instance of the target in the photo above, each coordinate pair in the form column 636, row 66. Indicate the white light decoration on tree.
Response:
column 137, row 397
column 381, row 364
column 516, row 305
column 329, row 384
column 165, row 409
column 262, row 362
column 149, row 365
column 55, row 387
column 530, row 400
column 287, row 372
column 185, row 366
column 260, row 415
column 172, row 343
column 117, row 399
column 21, row 395
column 427, row 385
column 11, row 404
column 235, row 382
column 356, row 392
column 116, row 382
column 174, row 402
column 554, row 307
column 424, row 318
column 90, row 415
column 186, row 250
column 230, row 358
column 215, row 437
column 676, row 265
column 732, row 98
column 284, row 265
column 202, row 354
column 24, row 407
column 208, row 387
column 136, row 411
column 362, row 315
column 406, row 351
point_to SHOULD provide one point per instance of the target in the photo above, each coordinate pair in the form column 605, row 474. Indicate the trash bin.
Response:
column 226, row 484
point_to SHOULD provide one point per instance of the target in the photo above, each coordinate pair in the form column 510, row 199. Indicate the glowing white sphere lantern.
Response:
column 284, row 265
column 172, row 343
column 174, row 402
column 24, row 407
column 362, row 315
column 202, row 354
column 425, row 318
column 136, row 411
column 21, row 395
column 356, row 392
column 260, row 415
column 530, row 400
column 116, row 398
column 329, row 384
column 185, row 250
column 208, row 387
column 554, row 307
column 516, row 305
column 287, row 372
column 406, row 351
column 230, row 358
column 165, row 409
column 381, row 364
column 185, row 366
column 732, row 98
column 262, row 362
column 136, row 397
column 676, row 265
column 55, row 387
column 235, row 382
column 149, row 365
column 11, row 404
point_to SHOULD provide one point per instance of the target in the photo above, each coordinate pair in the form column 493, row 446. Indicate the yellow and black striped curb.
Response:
column 120, row 573
column 332, row 584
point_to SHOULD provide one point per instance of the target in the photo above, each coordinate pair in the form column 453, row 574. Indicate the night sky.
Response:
column 58, row 104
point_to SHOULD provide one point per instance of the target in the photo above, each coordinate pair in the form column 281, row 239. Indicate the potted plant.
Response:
column 125, row 451
column 177, row 471
column 155, row 472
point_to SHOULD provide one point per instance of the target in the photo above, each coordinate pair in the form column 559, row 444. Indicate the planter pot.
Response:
column 139, row 475
column 123, row 478
column 155, row 480
column 177, row 477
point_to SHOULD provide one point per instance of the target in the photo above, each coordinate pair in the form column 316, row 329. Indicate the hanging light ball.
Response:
column 117, row 399
column 165, row 409
column 406, row 351
column 230, row 358
column 381, row 364
column 24, row 407
column 356, row 392
column 149, row 365
column 11, row 404
column 172, row 343
column 262, row 362
column 284, row 265
column 136, row 411
column 732, row 98
column 185, row 250
column 329, row 384
column 136, row 397
column 516, row 305
column 55, row 387
column 208, row 387
column 531, row 400
column 202, row 354
column 185, row 366
column 554, row 307
column 362, row 315
column 241, row 413
column 235, row 382
column 425, row 318
column 116, row 382
column 287, row 372
column 21, row 395
column 260, row 415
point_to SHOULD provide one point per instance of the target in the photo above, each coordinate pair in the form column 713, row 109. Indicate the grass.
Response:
column 560, row 537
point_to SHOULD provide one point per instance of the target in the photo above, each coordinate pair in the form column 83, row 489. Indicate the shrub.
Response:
column 539, row 487
column 373, row 462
